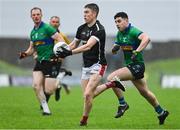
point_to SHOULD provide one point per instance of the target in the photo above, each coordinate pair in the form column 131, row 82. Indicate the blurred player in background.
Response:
column 55, row 22
column 46, row 70
column 132, row 41
column 92, row 35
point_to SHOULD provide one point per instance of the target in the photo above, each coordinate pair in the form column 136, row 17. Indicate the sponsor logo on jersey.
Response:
column 127, row 48
column 39, row 43
column 83, row 33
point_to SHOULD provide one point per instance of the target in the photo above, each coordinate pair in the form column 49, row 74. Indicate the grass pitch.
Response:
column 19, row 108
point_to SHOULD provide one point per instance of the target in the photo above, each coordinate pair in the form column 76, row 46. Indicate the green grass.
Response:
column 19, row 108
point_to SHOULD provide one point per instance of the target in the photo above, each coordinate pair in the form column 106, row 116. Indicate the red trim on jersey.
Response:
column 102, row 70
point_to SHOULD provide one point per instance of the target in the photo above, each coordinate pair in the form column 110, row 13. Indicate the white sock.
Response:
column 59, row 86
column 45, row 106
column 161, row 113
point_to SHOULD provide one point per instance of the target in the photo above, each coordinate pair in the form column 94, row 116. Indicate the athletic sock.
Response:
column 122, row 101
column 47, row 96
column 84, row 119
column 110, row 84
column 45, row 106
column 59, row 86
column 159, row 110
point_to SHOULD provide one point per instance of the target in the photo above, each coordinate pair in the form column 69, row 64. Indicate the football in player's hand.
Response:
column 58, row 47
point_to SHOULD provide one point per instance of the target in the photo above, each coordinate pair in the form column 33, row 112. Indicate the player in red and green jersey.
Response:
column 132, row 42
column 42, row 41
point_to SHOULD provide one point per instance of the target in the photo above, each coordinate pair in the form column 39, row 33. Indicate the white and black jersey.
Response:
column 96, row 53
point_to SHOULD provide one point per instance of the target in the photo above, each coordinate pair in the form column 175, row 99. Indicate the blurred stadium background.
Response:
column 160, row 19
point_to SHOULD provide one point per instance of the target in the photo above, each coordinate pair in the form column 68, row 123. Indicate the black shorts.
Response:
column 137, row 70
column 48, row 68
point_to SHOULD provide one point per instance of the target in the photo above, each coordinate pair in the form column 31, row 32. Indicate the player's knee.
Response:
column 36, row 87
column 87, row 97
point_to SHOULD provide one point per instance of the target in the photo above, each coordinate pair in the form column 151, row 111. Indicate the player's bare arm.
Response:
column 28, row 52
column 144, row 42
column 90, row 43
column 74, row 44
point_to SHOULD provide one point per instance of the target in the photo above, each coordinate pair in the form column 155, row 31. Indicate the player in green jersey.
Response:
column 42, row 41
column 132, row 42
column 55, row 22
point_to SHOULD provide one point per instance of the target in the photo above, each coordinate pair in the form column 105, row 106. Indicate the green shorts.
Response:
column 137, row 70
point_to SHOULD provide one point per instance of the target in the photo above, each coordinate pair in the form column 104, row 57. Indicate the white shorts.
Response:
column 94, row 69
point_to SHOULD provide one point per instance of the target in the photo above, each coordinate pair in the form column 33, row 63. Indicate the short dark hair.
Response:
column 93, row 7
column 121, row 14
column 35, row 9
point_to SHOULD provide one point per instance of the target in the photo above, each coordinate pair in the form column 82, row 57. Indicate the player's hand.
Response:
column 115, row 49
column 134, row 55
column 22, row 55
column 64, row 53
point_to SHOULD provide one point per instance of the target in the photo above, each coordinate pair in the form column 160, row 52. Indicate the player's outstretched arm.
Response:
column 74, row 44
column 90, row 43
